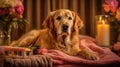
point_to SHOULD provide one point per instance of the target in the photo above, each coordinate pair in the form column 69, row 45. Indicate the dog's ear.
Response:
column 78, row 23
column 48, row 22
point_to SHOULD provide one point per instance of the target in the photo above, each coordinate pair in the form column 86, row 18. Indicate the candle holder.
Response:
column 103, row 30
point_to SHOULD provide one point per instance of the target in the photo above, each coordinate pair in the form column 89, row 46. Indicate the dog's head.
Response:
column 63, row 22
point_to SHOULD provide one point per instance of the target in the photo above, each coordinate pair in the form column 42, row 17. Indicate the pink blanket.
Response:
column 107, row 57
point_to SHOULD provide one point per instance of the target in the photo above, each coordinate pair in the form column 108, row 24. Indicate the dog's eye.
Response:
column 70, row 18
column 58, row 18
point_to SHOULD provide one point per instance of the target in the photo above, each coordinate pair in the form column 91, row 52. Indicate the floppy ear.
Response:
column 78, row 23
column 48, row 22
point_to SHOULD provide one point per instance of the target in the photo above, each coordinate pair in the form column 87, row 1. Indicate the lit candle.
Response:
column 103, row 33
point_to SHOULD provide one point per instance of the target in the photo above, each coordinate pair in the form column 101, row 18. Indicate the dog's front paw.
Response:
column 88, row 55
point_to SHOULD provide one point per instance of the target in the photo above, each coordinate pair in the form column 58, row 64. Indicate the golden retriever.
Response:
column 61, row 32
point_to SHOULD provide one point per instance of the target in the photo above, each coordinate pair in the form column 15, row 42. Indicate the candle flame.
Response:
column 103, row 22
column 100, row 18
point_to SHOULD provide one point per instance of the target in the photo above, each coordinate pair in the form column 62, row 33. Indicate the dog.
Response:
column 60, row 31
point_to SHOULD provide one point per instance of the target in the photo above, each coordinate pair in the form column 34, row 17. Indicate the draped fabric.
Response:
column 37, row 10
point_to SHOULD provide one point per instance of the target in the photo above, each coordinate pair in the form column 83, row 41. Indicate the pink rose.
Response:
column 113, row 5
column 19, row 9
column 11, row 10
column 110, row 5
column 117, row 46
column 106, row 7
column 42, row 51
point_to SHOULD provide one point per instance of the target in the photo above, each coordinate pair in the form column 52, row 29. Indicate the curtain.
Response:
column 36, row 11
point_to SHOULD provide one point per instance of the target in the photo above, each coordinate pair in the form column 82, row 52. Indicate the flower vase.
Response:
column 5, row 39
column 114, row 36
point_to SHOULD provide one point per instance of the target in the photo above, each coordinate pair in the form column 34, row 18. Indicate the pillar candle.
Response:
column 103, row 34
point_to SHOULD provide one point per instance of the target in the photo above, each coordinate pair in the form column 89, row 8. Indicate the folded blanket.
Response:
column 107, row 57
column 26, row 61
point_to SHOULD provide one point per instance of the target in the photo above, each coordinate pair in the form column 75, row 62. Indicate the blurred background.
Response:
column 35, row 11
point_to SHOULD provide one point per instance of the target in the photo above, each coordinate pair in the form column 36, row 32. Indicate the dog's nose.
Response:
column 64, row 28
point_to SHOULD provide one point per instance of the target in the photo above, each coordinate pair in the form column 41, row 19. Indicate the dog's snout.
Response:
column 64, row 28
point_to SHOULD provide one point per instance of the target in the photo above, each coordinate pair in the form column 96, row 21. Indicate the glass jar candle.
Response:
column 103, row 30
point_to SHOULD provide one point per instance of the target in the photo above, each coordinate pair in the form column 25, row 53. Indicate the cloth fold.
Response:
column 107, row 57
column 27, row 61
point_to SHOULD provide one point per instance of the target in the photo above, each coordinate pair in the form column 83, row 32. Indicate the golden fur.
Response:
column 53, row 36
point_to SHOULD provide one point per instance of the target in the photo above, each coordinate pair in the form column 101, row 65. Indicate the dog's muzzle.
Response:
column 64, row 28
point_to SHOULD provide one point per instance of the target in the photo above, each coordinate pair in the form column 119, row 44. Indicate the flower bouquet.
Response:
column 112, row 8
column 11, row 16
